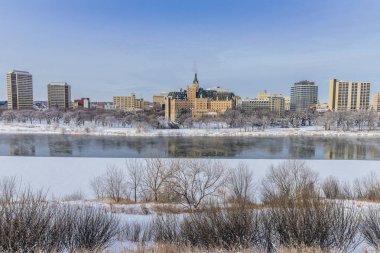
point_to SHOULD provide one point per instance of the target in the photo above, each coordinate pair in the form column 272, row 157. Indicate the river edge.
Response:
column 223, row 132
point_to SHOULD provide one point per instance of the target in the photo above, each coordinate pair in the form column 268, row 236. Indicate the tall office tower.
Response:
column 59, row 95
column 20, row 90
column 303, row 95
column 349, row 96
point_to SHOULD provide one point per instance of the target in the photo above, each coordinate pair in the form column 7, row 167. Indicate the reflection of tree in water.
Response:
column 60, row 145
column 82, row 143
column 300, row 147
column 144, row 146
column 23, row 145
column 220, row 146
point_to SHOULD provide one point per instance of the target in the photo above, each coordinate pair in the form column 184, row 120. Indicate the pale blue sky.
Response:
column 106, row 48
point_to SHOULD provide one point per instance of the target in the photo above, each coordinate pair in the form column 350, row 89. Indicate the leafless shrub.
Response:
column 221, row 228
column 24, row 224
column 289, row 181
column 315, row 223
column 174, row 248
column 112, row 184
column 137, row 232
column 30, row 223
column 166, row 228
column 75, row 196
column 368, row 187
column 371, row 228
column 9, row 188
column 91, row 229
column 331, row 188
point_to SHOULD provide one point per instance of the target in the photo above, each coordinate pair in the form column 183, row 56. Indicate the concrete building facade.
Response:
column 20, row 90
column 349, row 96
column 303, row 95
column 264, row 101
column 59, row 95
column 128, row 103
column 159, row 101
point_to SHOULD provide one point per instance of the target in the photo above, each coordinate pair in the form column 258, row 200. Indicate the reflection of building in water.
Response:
column 303, row 148
column 60, row 145
column 339, row 149
column 373, row 152
column 22, row 145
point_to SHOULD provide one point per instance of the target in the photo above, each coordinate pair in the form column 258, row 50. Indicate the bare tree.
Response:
column 195, row 180
column 289, row 181
column 240, row 183
column 157, row 173
column 97, row 186
column 135, row 170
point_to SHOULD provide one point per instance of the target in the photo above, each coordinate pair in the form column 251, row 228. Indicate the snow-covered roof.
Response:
column 218, row 89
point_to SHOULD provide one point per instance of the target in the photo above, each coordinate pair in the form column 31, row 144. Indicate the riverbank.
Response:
column 17, row 128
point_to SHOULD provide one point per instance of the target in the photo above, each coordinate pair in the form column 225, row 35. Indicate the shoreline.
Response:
column 184, row 132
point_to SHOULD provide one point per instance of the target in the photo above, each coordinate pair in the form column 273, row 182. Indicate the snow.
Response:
column 64, row 175
column 210, row 130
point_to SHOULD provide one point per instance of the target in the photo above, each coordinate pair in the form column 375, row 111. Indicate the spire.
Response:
column 195, row 79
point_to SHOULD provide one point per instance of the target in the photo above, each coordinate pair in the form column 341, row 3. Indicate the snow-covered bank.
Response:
column 64, row 175
column 20, row 128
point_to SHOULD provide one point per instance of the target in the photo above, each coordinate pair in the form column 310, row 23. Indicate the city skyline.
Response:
column 148, row 97
column 147, row 47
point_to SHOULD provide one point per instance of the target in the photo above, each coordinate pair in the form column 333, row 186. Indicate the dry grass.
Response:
column 168, row 248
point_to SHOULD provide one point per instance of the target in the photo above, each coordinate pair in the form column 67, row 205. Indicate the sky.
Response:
column 106, row 48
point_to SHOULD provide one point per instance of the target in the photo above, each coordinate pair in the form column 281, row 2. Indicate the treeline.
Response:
column 195, row 183
column 246, row 121
column 292, row 207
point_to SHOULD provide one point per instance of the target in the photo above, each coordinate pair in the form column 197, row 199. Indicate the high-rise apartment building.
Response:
column 303, row 95
column 59, row 95
column 20, row 90
column 287, row 103
column 376, row 102
column 128, row 103
column 349, row 96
